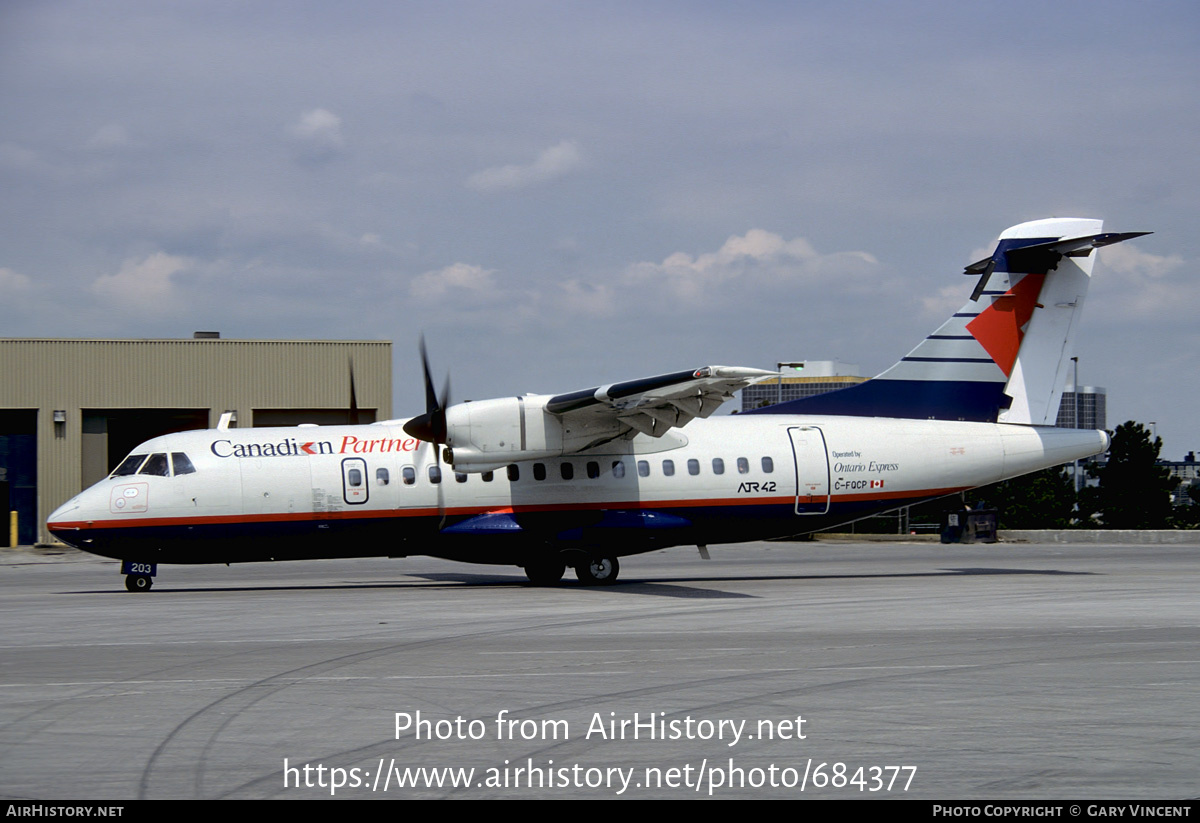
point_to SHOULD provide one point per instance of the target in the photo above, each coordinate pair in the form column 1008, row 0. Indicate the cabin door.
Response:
column 812, row 470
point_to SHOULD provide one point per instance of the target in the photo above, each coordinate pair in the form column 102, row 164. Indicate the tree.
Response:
column 1134, row 492
column 1187, row 515
column 1042, row 500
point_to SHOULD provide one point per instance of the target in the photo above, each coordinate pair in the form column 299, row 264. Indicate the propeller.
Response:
column 430, row 426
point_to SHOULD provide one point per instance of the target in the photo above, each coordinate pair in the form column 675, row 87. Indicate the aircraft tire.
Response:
column 599, row 571
column 138, row 582
column 545, row 572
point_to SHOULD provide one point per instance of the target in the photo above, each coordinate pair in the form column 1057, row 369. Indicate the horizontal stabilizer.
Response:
column 1040, row 258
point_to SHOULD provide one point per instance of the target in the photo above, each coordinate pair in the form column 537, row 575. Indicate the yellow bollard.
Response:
column 12, row 529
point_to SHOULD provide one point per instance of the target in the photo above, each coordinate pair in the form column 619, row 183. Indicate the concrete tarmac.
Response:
column 833, row 670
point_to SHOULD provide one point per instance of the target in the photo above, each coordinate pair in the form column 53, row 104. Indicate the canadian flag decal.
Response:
column 877, row 484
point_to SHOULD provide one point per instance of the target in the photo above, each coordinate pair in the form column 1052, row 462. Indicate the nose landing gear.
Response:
column 138, row 582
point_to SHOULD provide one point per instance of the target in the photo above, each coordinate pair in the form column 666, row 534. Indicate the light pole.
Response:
column 1075, row 422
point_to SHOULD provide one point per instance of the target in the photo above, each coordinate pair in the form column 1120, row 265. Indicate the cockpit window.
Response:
column 182, row 464
column 129, row 465
column 156, row 465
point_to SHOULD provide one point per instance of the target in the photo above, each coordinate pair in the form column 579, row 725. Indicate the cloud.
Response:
column 552, row 163
column 1127, row 259
column 456, row 280
column 318, row 136
column 12, row 281
column 143, row 284
column 111, row 137
column 758, row 257
column 944, row 301
column 573, row 299
column 18, row 158
column 1134, row 283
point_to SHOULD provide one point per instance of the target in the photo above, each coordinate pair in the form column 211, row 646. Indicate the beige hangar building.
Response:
column 70, row 410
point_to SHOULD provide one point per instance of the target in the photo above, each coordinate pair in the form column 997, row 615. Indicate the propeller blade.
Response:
column 441, row 475
column 353, row 397
column 441, row 494
column 430, row 426
column 431, row 401
column 439, row 419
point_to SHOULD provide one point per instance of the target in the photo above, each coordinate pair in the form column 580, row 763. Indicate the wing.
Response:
column 487, row 434
column 652, row 405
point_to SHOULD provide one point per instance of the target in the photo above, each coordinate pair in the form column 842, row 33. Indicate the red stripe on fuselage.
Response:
column 294, row 517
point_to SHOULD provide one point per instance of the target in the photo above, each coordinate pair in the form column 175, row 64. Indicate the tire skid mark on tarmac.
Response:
column 169, row 782
column 388, row 748
column 578, row 747
column 21, row 729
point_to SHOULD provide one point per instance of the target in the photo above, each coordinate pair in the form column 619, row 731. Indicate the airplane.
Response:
column 585, row 478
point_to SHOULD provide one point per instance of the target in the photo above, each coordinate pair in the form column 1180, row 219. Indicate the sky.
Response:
column 561, row 195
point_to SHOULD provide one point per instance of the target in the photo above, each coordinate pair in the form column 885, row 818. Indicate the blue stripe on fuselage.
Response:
column 198, row 542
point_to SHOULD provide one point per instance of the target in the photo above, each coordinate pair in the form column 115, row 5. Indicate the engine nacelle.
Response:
column 486, row 434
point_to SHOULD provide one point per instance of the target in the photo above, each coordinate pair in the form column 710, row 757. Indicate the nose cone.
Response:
column 64, row 522
column 64, row 511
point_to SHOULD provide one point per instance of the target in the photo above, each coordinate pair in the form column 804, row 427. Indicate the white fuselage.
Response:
column 333, row 491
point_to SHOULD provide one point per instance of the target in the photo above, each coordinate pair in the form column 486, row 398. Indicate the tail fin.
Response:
column 1001, row 357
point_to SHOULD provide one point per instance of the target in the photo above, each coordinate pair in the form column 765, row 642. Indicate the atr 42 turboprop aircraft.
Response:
column 583, row 478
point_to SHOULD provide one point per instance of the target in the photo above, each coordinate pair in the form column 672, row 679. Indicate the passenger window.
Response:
column 487, row 476
column 593, row 469
column 157, row 466
column 718, row 466
column 618, row 469
column 669, row 468
column 409, row 474
column 460, row 477
column 514, row 473
column 381, row 477
column 435, row 474
column 768, row 465
column 567, row 470
column 643, row 468
column 693, row 466
column 354, row 477
column 743, row 466
column 182, row 464
column 539, row 471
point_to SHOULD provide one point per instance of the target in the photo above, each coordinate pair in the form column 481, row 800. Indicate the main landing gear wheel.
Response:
column 599, row 571
column 138, row 582
column 544, row 572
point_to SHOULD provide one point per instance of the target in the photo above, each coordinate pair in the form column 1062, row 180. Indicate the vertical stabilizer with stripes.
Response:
column 1001, row 357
